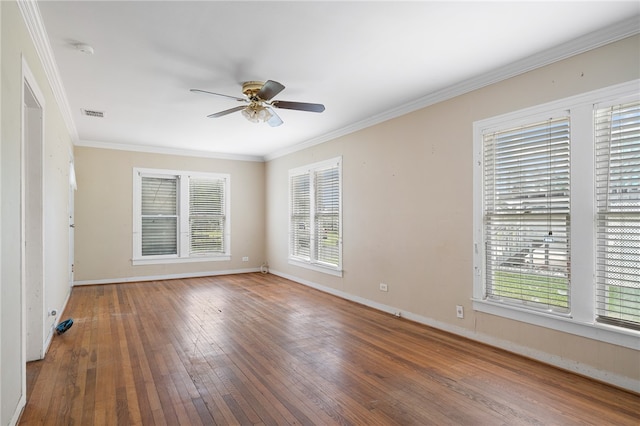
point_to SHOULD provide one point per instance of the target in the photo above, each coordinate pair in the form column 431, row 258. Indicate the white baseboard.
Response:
column 19, row 408
column 555, row 360
column 164, row 277
column 47, row 343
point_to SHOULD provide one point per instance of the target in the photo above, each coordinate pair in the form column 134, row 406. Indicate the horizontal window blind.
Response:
column 159, row 215
column 526, row 214
column 327, row 215
column 300, row 221
column 206, row 215
column 617, row 131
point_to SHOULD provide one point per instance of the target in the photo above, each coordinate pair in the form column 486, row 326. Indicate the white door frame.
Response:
column 32, row 218
column 72, row 217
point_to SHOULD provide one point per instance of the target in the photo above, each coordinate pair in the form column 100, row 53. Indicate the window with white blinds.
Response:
column 617, row 133
column 327, row 215
column 557, row 215
column 159, row 215
column 300, row 218
column 206, row 215
column 180, row 216
column 526, row 199
column 315, row 203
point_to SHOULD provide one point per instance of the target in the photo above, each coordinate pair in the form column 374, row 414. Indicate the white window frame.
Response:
column 312, row 262
column 581, row 319
column 183, row 254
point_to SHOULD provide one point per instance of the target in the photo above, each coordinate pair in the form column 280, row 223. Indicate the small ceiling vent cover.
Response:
column 91, row 113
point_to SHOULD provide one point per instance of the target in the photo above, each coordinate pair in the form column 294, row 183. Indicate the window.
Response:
column 180, row 216
column 557, row 215
column 315, row 216
column 159, row 215
column 618, row 220
column 206, row 215
column 526, row 198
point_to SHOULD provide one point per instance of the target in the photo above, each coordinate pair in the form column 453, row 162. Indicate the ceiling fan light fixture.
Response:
column 256, row 113
column 260, row 106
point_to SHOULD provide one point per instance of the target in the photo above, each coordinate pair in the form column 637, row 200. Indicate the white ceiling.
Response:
column 365, row 61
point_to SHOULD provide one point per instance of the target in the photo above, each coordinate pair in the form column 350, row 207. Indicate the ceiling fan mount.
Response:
column 251, row 88
column 260, row 106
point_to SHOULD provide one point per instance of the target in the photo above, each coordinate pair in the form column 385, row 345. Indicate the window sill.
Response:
column 316, row 267
column 564, row 323
column 165, row 260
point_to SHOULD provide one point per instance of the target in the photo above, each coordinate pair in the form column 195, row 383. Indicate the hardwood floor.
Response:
column 258, row 349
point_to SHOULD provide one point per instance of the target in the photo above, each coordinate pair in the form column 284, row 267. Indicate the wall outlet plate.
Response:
column 459, row 311
column 245, row 259
column 384, row 287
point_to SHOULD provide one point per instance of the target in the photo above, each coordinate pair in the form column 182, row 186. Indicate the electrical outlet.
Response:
column 459, row 311
column 384, row 287
column 245, row 259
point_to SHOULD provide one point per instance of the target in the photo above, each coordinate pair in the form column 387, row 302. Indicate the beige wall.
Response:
column 16, row 44
column 104, row 215
column 408, row 209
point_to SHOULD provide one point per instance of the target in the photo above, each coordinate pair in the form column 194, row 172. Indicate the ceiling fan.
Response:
column 259, row 106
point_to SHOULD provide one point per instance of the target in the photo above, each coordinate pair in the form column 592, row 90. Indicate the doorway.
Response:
column 33, row 220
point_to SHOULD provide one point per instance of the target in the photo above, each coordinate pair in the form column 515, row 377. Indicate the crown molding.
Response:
column 168, row 151
column 593, row 40
column 33, row 20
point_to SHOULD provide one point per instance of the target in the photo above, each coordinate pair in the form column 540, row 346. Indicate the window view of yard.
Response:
column 207, row 235
column 532, row 287
column 622, row 302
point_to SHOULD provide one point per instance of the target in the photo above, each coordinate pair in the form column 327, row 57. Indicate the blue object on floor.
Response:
column 64, row 326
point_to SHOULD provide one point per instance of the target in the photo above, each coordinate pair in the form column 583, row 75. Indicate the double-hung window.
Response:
column 526, row 219
column 557, row 215
column 315, row 216
column 617, row 133
column 180, row 216
column 158, row 215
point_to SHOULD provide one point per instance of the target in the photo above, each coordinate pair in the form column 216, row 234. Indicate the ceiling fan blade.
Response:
column 275, row 120
column 300, row 106
column 218, row 94
column 226, row 112
column 269, row 90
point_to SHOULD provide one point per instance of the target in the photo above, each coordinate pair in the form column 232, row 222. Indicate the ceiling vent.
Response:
column 91, row 113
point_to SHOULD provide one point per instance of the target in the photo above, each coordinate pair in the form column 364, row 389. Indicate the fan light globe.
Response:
column 256, row 113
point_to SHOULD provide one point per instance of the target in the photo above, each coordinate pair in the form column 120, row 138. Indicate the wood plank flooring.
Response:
column 257, row 349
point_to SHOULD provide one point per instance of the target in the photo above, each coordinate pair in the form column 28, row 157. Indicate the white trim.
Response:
column 605, row 333
column 603, row 95
column 57, row 321
column 555, row 360
column 318, row 165
column 33, row 21
column 165, row 277
column 174, row 259
column 318, row 267
column 29, row 80
column 167, row 151
column 19, row 408
column 16, row 415
column 593, row 40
